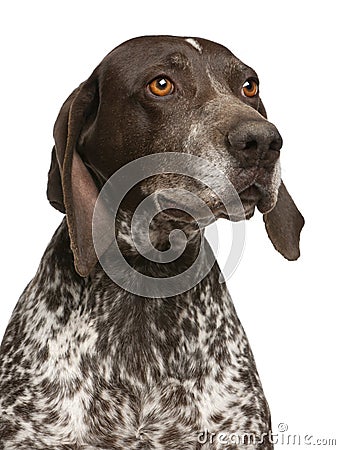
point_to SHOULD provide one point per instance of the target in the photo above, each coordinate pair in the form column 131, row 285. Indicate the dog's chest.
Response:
column 151, row 370
column 136, row 380
column 96, row 366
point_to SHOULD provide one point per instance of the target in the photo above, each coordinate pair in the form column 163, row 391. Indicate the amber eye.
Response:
column 250, row 88
column 161, row 86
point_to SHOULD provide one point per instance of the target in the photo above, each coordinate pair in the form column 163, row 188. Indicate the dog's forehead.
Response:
column 148, row 50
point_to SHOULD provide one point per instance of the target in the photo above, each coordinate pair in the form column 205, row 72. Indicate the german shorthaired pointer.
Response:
column 87, row 364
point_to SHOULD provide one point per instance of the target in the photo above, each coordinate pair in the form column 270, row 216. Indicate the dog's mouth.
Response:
column 239, row 208
column 243, row 209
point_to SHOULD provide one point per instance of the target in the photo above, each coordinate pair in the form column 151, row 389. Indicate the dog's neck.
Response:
column 145, row 262
column 197, row 255
column 136, row 235
column 175, row 245
column 131, row 243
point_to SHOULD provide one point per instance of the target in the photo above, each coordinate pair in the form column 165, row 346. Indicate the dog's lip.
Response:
column 250, row 194
column 246, row 213
column 249, row 197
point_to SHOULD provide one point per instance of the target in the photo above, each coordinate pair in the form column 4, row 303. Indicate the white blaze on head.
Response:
column 195, row 44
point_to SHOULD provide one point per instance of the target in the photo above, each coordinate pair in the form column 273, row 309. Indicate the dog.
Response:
column 90, row 361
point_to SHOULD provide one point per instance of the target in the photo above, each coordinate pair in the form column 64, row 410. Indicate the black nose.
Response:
column 255, row 143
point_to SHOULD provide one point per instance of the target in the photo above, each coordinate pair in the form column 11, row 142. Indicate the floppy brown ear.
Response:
column 71, row 188
column 284, row 224
column 54, row 189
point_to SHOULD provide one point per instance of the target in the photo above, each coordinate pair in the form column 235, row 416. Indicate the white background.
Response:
column 290, row 310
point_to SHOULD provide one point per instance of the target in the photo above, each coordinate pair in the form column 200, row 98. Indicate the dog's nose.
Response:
column 255, row 142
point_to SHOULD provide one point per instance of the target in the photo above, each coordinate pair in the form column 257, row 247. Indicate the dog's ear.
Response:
column 71, row 188
column 284, row 224
column 54, row 189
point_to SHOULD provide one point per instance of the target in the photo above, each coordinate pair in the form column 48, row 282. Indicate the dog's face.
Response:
column 184, row 95
column 167, row 94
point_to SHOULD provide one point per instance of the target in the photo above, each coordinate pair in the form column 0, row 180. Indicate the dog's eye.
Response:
column 250, row 88
column 161, row 86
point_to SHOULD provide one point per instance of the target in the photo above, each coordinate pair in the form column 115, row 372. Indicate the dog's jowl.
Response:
column 127, row 338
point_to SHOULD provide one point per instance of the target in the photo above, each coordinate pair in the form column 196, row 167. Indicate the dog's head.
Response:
column 167, row 94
